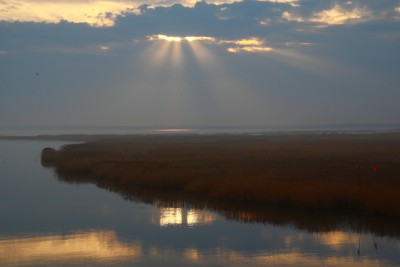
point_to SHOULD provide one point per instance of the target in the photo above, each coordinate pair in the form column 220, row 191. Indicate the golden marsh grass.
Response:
column 318, row 172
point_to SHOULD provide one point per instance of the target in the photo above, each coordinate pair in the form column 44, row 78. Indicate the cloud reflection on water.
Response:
column 337, row 239
column 104, row 247
column 91, row 246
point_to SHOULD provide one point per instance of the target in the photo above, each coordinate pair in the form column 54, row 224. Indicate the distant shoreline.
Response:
column 82, row 132
column 358, row 173
column 95, row 136
column 57, row 137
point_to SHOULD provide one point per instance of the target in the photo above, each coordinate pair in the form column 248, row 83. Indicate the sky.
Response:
column 165, row 62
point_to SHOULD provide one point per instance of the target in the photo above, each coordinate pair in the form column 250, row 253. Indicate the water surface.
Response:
column 46, row 221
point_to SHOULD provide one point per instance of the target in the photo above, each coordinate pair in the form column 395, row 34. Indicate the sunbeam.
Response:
column 162, row 53
column 226, row 94
column 201, row 54
column 212, row 88
column 312, row 64
column 156, row 54
column 176, row 54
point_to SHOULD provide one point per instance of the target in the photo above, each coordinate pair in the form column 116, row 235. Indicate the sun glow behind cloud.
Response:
column 337, row 15
column 102, row 13
column 170, row 48
column 249, row 49
column 164, row 37
column 397, row 10
column 249, row 45
column 97, row 13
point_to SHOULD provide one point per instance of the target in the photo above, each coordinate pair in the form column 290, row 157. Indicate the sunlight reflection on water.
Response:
column 183, row 217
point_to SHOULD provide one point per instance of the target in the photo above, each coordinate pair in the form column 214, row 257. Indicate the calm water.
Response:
column 45, row 221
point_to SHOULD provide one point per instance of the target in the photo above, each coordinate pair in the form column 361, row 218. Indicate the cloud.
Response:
column 279, row 22
column 336, row 15
column 397, row 9
column 250, row 49
column 180, row 38
column 101, row 13
column 250, row 45
column 98, row 13
column 23, row 37
column 339, row 15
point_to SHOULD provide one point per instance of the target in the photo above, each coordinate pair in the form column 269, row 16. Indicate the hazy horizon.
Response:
column 196, row 129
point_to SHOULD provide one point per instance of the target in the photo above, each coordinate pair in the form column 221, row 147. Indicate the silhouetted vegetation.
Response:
column 317, row 172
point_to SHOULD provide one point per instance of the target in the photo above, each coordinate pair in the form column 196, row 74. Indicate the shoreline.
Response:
column 314, row 172
column 162, row 133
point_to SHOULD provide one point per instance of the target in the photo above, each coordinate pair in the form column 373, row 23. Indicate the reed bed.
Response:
column 306, row 171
